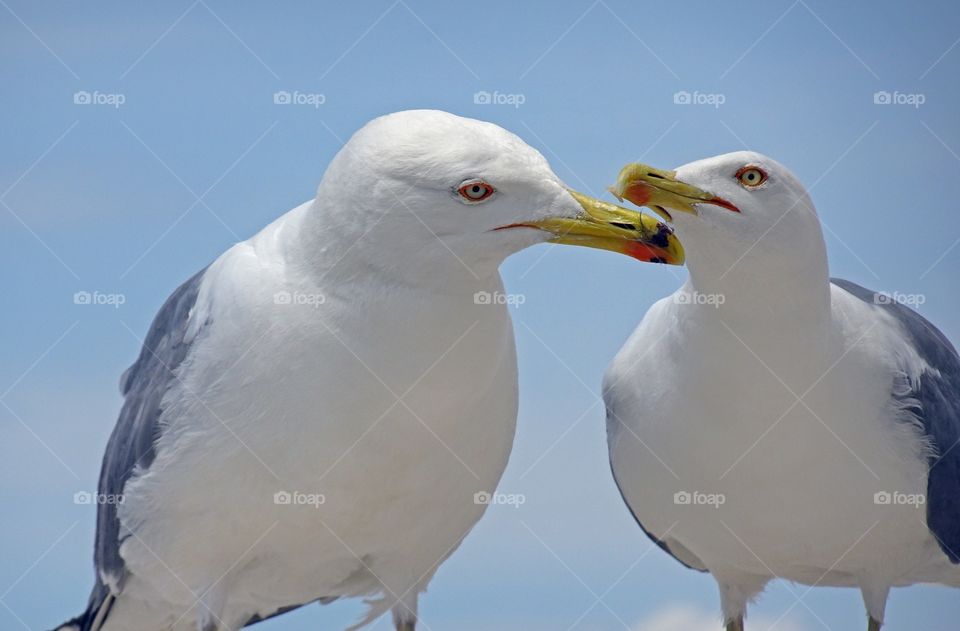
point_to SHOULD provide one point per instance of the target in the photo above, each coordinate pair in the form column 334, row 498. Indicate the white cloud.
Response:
column 681, row 617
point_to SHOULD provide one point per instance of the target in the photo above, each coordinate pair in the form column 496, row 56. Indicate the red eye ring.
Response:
column 751, row 176
column 474, row 191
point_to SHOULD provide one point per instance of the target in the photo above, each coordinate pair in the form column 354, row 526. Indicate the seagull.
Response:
column 320, row 413
column 766, row 421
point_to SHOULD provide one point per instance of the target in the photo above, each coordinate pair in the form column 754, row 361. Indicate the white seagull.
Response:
column 314, row 415
column 766, row 421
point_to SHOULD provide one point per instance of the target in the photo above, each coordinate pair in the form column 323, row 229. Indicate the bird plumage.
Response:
column 765, row 423
column 313, row 415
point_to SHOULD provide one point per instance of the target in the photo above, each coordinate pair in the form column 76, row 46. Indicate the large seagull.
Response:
column 313, row 416
column 766, row 421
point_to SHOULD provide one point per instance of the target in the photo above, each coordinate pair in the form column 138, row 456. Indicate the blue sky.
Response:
column 182, row 152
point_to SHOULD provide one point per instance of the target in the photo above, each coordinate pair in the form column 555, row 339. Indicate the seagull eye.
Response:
column 751, row 177
column 473, row 191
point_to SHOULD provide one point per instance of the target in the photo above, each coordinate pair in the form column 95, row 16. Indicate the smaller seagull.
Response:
column 766, row 421
column 314, row 415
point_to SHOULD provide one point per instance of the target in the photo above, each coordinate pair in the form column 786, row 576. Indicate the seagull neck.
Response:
column 359, row 247
column 775, row 289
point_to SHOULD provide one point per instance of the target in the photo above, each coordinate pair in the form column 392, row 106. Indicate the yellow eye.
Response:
column 473, row 191
column 751, row 176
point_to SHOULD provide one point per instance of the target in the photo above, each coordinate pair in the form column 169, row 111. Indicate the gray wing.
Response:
column 938, row 393
column 131, row 445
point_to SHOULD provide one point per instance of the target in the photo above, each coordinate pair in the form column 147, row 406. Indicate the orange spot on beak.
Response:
column 638, row 193
column 646, row 253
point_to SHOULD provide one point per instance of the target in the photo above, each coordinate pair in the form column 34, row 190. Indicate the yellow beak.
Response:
column 660, row 190
column 610, row 227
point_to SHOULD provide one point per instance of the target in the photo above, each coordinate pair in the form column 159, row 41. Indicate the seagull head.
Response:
column 741, row 215
column 424, row 183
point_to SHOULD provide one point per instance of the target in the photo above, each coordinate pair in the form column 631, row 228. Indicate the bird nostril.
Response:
column 625, row 226
column 654, row 175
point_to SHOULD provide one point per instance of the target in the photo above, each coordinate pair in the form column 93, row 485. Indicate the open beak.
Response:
column 610, row 227
column 661, row 191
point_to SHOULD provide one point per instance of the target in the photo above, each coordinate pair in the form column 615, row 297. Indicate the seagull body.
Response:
column 791, row 426
column 312, row 416
column 284, row 398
